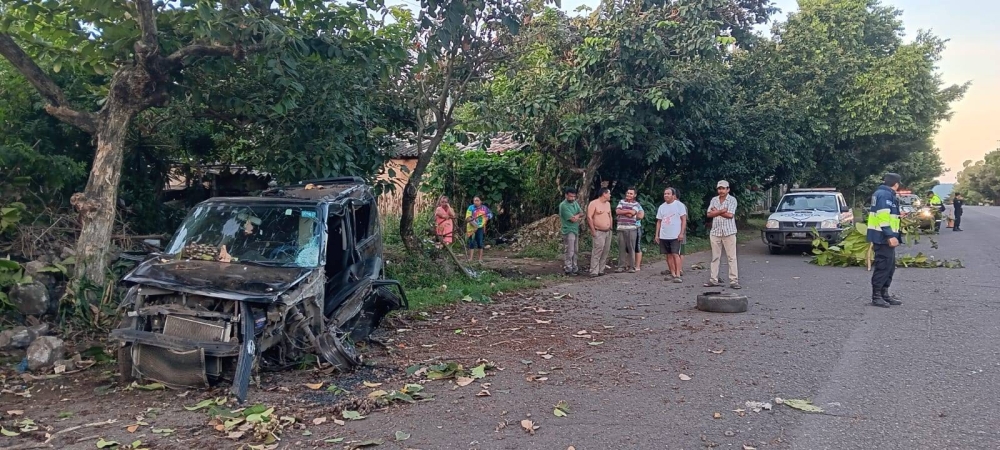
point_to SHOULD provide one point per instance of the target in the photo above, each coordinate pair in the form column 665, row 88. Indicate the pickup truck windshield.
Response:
column 287, row 236
column 808, row 202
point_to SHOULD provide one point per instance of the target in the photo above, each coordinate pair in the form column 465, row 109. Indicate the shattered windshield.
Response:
column 263, row 234
column 806, row 202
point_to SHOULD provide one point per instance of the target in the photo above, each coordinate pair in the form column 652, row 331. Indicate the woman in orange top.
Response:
column 444, row 217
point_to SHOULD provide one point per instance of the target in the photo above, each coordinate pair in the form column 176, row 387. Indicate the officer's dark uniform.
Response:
column 958, row 204
column 883, row 224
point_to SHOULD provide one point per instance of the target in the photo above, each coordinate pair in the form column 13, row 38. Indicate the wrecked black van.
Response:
column 258, row 283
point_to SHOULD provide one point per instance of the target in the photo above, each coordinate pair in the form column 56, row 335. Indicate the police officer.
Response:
column 937, row 208
column 958, row 203
column 883, row 233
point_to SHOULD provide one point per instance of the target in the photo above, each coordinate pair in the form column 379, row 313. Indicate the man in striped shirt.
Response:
column 722, row 211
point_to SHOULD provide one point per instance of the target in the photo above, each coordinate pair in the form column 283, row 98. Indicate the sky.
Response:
column 973, row 54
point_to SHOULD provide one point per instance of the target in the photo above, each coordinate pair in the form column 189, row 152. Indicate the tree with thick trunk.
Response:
column 459, row 44
column 136, row 85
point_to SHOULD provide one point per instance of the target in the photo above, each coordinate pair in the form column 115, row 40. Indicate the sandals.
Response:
column 711, row 284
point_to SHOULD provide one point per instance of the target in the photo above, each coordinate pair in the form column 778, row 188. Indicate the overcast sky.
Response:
column 973, row 54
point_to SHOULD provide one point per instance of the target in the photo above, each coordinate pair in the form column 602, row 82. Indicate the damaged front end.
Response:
column 186, row 338
column 202, row 317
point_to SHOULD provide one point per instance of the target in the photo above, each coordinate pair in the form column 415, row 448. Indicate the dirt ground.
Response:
column 80, row 410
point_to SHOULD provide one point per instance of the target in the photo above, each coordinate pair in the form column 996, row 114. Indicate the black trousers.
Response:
column 885, row 266
column 958, row 221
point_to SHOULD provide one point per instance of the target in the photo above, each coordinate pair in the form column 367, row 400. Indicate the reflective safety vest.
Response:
column 884, row 214
column 877, row 220
column 936, row 201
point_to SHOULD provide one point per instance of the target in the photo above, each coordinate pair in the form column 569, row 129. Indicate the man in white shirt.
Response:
column 671, row 226
column 722, row 211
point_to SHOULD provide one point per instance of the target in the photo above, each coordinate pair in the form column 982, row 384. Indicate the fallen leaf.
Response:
column 319, row 420
column 368, row 443
column 101, row 443
column 529, row 426
column 333, row 440
column 163, row 431
column 15, row 412
column 747, row 447
column 561, row 409
column 371, row 385
column 402, row 436
column 132, row 428
column 717, row 415
column 478, row 371
column 582, row 336
column 718, row 352
column 377, row 394
column 351, row 415
column 8, row 433
column 483, row 393
column 547, row 356
column 596, row 342
column 464, row 381
column 151, row 386
column 802, row 405
column 684, row 377
column 581, row 332
column 542, row 321
column 235, row 434
column 314, row 386
column 458, row 331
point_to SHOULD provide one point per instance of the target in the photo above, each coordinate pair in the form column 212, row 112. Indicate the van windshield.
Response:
column 808, row 202
column 285, row 236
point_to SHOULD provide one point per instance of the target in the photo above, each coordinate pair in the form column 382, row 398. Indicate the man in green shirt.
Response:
column 570, row 215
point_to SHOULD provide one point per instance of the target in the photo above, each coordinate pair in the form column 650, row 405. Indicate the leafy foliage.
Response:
column 980, row 181
column 853, row 250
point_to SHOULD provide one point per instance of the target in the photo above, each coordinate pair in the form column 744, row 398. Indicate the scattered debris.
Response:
column 802, row 405
column 758, row 406
column 684, row 377
column 529, row 426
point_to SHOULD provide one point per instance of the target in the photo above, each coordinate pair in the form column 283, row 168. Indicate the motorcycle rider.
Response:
column 883, row 233
column 937, row 208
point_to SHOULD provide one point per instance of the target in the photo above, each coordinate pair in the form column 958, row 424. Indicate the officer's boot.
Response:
column 890, row 299
column 877, row 299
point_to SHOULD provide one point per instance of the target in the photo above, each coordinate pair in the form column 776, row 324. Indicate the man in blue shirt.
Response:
column 884, row 235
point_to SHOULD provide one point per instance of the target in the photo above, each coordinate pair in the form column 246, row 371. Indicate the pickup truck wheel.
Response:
column 774, row 250
column 125, row 364
column 720, row 302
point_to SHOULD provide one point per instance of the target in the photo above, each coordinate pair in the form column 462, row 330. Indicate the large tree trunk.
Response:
column 97, row 203
column 406, row 220
column 589, row 172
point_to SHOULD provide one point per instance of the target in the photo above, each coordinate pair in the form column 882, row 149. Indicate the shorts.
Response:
column 477, row 239
column 670, row 246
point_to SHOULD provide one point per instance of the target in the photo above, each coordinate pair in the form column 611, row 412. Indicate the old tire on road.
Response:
column 722, row 302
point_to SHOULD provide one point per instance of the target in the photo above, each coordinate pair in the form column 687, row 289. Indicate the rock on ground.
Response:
column 45, row 351
column 21, row 337
column 31, row 299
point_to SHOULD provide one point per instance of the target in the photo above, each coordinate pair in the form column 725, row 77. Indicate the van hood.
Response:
column 233, row 281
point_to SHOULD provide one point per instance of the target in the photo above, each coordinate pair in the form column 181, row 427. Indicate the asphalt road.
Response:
column 921, row 375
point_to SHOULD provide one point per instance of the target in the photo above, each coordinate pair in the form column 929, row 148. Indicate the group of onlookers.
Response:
column 625, row 220
column 670, row 235
column 476, row 217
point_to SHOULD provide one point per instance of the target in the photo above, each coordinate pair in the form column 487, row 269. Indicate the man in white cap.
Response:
column 722, row 211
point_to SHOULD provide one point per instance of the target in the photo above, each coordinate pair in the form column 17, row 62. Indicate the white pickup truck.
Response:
column 800, row 212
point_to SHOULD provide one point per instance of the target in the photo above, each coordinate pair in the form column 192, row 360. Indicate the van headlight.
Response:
column 771, row 223
column 829, row 223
